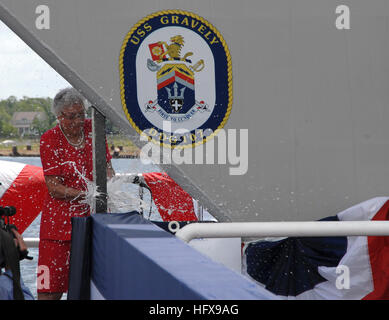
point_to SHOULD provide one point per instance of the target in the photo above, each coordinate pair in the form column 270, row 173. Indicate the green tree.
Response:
column 40, row 126
column 11, row 105
column 7, row 130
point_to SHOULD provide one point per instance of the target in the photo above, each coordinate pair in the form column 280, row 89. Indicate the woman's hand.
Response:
column 59, row 191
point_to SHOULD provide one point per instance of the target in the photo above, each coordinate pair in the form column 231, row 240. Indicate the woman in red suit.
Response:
column 66, row 155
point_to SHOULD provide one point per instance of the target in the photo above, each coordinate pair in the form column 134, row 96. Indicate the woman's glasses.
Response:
column 73, row 116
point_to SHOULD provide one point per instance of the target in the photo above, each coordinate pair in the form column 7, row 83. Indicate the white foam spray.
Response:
column 120, row 198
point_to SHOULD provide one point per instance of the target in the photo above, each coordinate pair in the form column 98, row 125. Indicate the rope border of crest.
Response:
column 229, row 71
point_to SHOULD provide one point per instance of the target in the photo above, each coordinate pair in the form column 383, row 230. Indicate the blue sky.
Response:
column 22, row 71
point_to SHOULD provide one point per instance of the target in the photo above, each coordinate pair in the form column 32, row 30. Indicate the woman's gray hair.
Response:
column 65, row 98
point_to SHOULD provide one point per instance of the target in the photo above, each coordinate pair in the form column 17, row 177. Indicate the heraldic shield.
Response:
column 176, row 88
column 176, row 79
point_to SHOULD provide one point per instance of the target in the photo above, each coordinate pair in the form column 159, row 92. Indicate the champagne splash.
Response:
column 120, row 197
column 122, row 200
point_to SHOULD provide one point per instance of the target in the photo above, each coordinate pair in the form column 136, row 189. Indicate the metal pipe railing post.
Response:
column 273, row 229
column 283, row 229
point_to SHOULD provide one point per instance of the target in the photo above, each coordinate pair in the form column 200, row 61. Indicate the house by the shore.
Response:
column 23, row 122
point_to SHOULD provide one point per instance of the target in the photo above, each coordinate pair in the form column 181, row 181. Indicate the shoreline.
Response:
column 21, row 150
column 119, row 148
column 114, row 155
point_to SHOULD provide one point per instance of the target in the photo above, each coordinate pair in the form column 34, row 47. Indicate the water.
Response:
column 28, row 267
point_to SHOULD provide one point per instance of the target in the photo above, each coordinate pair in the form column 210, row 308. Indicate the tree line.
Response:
column 11, row 105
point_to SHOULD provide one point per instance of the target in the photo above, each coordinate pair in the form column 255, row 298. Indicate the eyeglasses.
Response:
column 72, row 116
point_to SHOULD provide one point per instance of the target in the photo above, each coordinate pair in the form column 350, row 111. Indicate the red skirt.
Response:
column 53, row 266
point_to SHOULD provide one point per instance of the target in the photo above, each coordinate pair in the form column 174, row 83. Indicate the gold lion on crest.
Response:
column 173, row 50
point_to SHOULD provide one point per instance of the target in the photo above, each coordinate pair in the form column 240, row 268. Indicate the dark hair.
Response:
column 9, row 256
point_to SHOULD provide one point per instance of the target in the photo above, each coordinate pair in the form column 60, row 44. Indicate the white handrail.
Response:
column 273, row 229
column 31, row 242
column 283, row 229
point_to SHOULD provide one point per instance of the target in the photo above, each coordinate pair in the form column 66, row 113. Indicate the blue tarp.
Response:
column 80, row 259
column 134, row 259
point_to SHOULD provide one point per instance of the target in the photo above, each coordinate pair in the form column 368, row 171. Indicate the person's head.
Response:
column 10, row 242
column 69, row 108
column 9, row 259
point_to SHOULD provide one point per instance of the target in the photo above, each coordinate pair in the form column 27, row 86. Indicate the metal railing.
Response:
column 31, row 242
column 271, row 229
column 283, row 229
